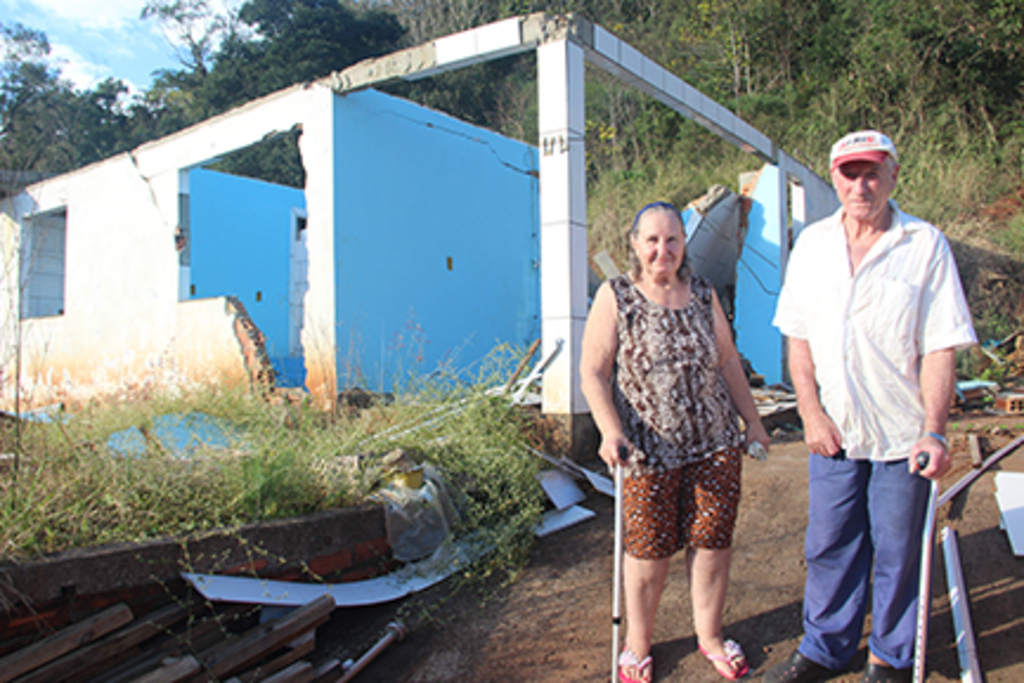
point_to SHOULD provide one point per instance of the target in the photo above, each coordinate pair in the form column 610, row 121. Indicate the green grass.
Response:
column 70, row 491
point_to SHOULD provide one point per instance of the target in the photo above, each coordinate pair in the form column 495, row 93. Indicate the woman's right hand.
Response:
column 610, row 449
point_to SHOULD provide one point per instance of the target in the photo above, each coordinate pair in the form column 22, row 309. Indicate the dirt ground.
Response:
column 554, row 623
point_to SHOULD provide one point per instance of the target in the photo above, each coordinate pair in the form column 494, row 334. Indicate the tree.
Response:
column 193, row 27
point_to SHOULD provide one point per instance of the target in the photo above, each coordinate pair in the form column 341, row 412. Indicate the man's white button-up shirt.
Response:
column 868, row 330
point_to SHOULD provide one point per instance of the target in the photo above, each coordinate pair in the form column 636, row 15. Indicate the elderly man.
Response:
column 874, row 312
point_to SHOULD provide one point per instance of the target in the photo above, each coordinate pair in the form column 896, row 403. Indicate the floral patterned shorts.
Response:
column 694, row 505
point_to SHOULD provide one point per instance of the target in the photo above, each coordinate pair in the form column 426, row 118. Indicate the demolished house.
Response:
column 149, row 269
column 417, row 239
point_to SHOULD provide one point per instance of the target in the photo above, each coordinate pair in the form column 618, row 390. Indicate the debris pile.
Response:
column 182, row 641
column 999, row 364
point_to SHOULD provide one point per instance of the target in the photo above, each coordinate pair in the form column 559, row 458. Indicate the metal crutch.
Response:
column 924, row 586
column 617, row 571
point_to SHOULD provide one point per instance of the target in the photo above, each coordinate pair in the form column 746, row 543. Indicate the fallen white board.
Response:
column 601, row 483
column 410, row 579
column 556, row 520
column 1010, row 499
column 561, row 488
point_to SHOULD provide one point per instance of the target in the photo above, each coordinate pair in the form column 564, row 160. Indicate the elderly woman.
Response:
column 664, row 381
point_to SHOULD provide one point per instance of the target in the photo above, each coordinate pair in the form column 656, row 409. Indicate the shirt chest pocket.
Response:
column 887, row 314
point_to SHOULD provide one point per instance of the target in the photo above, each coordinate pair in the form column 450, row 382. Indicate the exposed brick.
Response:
column 1010, row 403
column 371, row 551
column 253, row 567
column 333, row 563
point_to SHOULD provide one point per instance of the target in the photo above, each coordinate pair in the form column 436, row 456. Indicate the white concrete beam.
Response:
column 624, row 61
column 235, row 129
column 481, row 44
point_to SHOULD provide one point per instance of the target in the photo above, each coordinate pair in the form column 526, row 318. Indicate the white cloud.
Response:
column 80, row 71
column 92, row 40
column 101, row 14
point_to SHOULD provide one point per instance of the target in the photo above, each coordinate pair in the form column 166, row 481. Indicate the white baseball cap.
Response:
column 864, row 145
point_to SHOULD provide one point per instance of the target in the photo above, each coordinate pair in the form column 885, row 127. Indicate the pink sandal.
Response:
column 734, row 657
column 627, row 658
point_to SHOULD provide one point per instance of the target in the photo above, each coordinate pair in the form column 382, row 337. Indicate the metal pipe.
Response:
column 966, row 651
column 924, row 586
column 396, row 631
column 537, row 371
column 974, row 474
column 617, row 575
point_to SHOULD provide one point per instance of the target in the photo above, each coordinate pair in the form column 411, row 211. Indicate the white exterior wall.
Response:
column 123, row 328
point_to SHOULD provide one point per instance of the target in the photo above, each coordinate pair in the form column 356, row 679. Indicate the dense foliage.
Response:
column 945, row 75
column 943, row 79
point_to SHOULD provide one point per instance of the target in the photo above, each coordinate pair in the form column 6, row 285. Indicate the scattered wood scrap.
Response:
column 178, row 642
column 64, row 641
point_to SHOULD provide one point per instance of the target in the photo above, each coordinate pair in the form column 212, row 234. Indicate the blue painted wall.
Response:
column 436, row 241
column 240, row 238
column 759, row 279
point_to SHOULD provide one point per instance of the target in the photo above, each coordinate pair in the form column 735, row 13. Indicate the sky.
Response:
column 91, row 40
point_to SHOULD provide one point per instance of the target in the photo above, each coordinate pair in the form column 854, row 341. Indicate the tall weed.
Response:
column 71, row 490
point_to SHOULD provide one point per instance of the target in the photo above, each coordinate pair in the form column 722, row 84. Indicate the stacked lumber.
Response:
column 179, row 642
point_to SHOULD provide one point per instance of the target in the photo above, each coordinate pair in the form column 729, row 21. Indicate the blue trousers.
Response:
column 863, row 515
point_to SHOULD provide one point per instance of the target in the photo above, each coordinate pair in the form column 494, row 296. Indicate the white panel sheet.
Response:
column 1010, row 499
column 412, row 578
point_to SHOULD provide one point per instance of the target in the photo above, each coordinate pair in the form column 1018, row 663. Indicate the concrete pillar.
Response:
column 563, row 221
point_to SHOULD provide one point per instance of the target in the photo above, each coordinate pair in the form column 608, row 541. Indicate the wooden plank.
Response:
column 100, row 651
column 289, row 656
column 299, row 672
column 330, row 671
column 977, row 456
column 255, row 644
column 64, row 641
column 195, row 638
column 178, row 669
column 522, row 365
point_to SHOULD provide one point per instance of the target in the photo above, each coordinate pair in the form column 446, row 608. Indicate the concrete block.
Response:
column 674, row 87
column 456, row 48
column 578, row 270
column 561, row 394
column 557, row 279
column 631, row 59
column 577, row 180
column 692, row 97
column 606, row 44
column 755, row 138
column 499, row 37
column 653, row 73
column 576, row 85
column 717, row 114
column 119, row 569
column 555, row 200
column 552, row 89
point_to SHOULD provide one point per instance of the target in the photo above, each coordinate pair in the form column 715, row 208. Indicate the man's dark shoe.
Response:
column 797, row 669
column 880, row 673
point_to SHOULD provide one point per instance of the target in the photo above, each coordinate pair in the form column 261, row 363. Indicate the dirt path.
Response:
column 553, row 624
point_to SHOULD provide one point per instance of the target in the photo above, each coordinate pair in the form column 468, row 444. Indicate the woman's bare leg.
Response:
column 709, row 578
column 643, row 582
